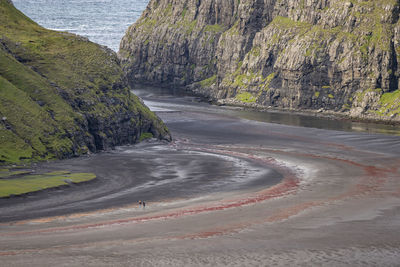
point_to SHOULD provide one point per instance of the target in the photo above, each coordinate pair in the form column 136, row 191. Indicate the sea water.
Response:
column 102, row 21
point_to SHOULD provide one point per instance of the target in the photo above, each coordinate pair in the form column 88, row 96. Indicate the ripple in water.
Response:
column 102, row 21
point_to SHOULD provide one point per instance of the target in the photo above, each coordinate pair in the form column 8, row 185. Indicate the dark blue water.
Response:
column 102, row 21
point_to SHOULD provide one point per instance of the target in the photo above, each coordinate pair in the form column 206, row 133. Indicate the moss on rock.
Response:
column 62, row 95
column 339, row 48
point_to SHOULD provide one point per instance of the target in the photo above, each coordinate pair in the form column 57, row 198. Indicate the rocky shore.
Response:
column 339, row 56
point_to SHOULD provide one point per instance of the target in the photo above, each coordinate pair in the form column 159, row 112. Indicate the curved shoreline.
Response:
column 121, row 190
column 340, row 195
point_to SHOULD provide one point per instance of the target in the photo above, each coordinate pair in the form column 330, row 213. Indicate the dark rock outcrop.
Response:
column 62, row 96
column 337, row 55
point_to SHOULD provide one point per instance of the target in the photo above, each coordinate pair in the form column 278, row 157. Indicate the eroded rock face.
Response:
column 63, row 96
column 295, row 54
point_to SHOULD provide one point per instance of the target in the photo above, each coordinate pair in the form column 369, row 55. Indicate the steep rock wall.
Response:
column 339, row 55
column 63, row 96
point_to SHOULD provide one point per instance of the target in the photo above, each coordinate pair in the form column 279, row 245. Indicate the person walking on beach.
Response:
column 140, row 203
column 144, row 204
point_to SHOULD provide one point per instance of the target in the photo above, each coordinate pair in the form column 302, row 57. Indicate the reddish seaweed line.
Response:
column 369, row 170
column 289, row 184
column 374, row 178
column 230, row 229
column 279, row 167
column 285, row 187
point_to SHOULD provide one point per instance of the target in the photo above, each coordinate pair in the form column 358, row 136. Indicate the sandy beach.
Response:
column 228, row 191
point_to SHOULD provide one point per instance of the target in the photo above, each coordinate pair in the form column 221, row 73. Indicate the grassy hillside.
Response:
column 61, row 95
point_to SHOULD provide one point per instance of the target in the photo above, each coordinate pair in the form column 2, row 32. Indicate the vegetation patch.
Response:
column 287, row 23
column 209, row 81
column 147, row 25
column 214, row 28
column 255, row 51
column 33, row 183
column 184, row 12
column 145, row 136
column 390, row 104
column 234, row 30
column 55, row 84
column 246, row 97
column 190, row 27
column 267, row 81
column 6, row 174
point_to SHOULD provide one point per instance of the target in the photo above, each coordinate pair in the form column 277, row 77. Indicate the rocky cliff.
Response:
column 61, row 95
column 332, row 55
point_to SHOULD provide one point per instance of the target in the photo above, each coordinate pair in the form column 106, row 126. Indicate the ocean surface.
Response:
column 102, row 21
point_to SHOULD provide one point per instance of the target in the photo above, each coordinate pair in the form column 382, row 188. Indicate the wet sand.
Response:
column 227, row 191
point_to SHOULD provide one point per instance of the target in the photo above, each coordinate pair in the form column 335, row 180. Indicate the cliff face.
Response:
column 297, row 54
column 61, row 95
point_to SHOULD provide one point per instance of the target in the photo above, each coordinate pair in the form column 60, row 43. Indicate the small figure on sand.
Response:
column 140, row 203
column 144, row 204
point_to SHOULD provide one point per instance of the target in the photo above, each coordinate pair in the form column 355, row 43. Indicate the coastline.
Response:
column 340, row 197
column 232, row 102
column 338, row 115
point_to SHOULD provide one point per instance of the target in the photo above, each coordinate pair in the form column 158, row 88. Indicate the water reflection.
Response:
column 183, row 99
column 313, row 121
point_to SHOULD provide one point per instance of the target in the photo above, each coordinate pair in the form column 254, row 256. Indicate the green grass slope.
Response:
column 19, row 183
column 61, row 95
